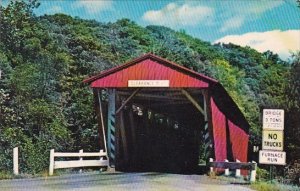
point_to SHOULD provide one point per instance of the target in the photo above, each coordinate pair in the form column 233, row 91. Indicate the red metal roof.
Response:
column 150, row 67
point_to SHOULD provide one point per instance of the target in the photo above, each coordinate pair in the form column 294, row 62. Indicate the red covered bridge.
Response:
column 157, row 115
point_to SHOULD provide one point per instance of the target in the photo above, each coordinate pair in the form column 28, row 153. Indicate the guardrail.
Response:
column 237, row 166
column 102, row 162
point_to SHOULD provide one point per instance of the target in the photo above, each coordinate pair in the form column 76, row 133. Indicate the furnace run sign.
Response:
column 272, row 157
column 273, row 119
column 272, row 140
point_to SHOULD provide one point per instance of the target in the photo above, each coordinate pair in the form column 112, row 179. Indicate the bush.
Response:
column 262, row 174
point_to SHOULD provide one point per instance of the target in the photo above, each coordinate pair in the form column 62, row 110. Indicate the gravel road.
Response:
column 121, row 181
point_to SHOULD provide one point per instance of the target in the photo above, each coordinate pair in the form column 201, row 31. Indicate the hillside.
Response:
column 44, row 103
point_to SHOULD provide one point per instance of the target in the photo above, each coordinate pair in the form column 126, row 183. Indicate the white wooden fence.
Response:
column 102, row 162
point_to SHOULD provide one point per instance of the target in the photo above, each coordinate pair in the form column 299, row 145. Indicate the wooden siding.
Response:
column 238, row 138
column 239, row 141
column 219, row 132
column 149, row 70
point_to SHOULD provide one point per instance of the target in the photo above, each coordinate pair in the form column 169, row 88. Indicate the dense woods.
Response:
column 44, row 104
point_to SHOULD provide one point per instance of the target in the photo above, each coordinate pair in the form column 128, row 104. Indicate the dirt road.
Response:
column 121, row 181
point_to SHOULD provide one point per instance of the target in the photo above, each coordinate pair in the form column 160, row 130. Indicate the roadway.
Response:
column 95, row 181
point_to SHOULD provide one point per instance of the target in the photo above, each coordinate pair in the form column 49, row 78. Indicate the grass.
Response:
column 274, row 186
column 6, row 175
column 9, row 175
column 258, row 185
column 45, row 173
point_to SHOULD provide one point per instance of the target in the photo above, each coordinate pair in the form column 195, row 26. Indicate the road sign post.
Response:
column 272, row 138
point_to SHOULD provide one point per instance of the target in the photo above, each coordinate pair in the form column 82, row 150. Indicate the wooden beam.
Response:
column 151, row 96
column 118, row 142
column 193, row 101
column 170, row 103
column 207, row 137
column 127, row 100
column 205, row 108
column 233, row 165
column 155, row 90
column 207, row 97
column 101, row 118
column 100, row 127
column 112, row 131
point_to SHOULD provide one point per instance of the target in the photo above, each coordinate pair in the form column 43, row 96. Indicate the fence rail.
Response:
column 102, row 162
column 233, row 165
column 237, row 166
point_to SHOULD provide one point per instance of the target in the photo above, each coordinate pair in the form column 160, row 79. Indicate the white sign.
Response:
column 273, row 119
column 272, row 157
column 148, row 83
column 272, row 140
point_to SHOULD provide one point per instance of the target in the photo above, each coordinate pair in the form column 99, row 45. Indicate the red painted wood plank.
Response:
column 125, row 78
column 219, row 132
column 239, row 140
column 152, row 71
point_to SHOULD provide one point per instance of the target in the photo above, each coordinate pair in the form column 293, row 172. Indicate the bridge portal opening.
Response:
column 159, row 129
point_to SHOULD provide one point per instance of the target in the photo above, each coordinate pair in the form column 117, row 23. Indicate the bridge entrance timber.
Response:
column 155, row 115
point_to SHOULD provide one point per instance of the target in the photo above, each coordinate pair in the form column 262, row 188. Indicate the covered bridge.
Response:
column 155, row 115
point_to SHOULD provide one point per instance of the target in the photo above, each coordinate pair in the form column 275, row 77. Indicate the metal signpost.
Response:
column 272, row 138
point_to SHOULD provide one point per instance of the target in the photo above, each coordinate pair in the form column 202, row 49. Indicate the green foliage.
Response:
column 293, row 112
column 262, row 174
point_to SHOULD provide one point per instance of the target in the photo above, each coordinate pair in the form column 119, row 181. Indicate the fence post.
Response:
column 51, row 166
column 227, row 169
column 16, row 160
column 101, row 158
column 237, row 171
column 80, row 158
column 101, row 153
column 253, row 172
column 211, row 168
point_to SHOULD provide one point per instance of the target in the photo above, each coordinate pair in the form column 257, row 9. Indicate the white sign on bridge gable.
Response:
column 148, row 83
column 273, row 119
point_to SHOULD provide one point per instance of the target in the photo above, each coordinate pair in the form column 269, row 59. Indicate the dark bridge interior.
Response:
column 163, row 131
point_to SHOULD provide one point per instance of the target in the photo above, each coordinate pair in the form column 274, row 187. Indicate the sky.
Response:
column 261, row 24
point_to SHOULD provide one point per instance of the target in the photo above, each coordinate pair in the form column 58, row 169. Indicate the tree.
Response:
column 293, row 112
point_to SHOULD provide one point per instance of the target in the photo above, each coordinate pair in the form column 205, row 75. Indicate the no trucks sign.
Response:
column 272, row 140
